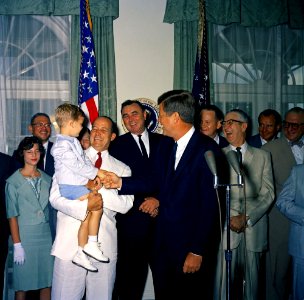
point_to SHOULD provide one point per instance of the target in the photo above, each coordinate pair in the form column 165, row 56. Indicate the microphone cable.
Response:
column 220, row 252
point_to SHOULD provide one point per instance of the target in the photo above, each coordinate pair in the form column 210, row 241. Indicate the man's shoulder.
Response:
column 204, row 141
column 158, row 138
column 275, row 145
column 121, row 140
column 116, row 164
column 223, row 142
column 255, row 141
column 258, row 151
column 5, row 159
column 254, row 137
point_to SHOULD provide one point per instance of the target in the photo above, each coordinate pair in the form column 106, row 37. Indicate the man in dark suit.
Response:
column 135, row 228
column 188, row 206
column 270, row 122
column 5, row 171
column 210, row 124
column 41, row 127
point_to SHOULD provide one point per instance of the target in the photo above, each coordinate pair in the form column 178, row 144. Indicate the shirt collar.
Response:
column 144, row 135
column 94, row 152
column 217, row 138
column 183, row 141
column 243, row 147
column 45, row 145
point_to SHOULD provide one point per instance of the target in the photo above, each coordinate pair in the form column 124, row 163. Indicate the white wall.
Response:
column 143, row 51
column 144, row 58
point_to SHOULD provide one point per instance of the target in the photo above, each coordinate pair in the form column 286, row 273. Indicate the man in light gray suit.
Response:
column 291, row 204
column 249, row 206
column 286, row 152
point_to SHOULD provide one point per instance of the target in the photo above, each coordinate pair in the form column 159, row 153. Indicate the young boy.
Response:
column 74, row 173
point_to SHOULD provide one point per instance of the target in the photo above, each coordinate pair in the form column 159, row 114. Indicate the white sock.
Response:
column 92, row 238
column 80, row 249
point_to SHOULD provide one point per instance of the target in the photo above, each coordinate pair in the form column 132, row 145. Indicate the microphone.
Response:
column 233, row 161
column 210, row 159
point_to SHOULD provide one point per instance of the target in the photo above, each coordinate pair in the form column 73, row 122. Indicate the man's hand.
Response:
column 150, row 206
column 238, row 223
column 192, row 263
column 101, row 174
column 112, row 181
column 94, row 201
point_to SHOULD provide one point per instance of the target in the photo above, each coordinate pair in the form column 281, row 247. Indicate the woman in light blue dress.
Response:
column 27, row 196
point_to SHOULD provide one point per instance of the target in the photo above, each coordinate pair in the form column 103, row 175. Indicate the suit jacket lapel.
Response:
column 248, row 157
column 186, row 155
column 134, row 145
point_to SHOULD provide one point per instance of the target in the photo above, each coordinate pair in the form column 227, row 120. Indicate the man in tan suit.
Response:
column 286, row 152
column 249, row 206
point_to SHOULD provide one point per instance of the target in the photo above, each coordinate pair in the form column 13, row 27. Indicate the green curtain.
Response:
column 103, row 13
column 184, row 14
column 98, row 8
column 184, row 53
column 255, row 49
column 258, row 13
column 105, row 59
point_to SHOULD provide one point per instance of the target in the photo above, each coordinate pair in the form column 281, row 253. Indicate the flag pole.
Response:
column 88, row 82
column 201, row 82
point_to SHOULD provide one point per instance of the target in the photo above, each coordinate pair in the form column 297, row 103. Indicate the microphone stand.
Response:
column 228, row 252
column 233, row 161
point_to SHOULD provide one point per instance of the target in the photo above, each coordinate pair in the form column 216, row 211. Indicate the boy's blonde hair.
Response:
column 67, row 112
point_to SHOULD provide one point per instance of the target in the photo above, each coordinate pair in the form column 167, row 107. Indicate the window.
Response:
column 34, row 72
column 257, row 68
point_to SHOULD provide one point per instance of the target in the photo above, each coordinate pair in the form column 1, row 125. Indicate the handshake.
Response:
column 104, row 178
column 110, row 180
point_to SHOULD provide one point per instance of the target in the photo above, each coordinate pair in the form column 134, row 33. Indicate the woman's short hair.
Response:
column 28, row 143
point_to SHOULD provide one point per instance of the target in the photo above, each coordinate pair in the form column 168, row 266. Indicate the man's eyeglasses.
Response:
column 47, row 125
column 292, row 125
column 230, row 122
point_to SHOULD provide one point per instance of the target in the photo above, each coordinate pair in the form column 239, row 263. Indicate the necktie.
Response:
column 142, row 147
column 98, row 161
column 172, row 158
column 298, row 143
column 40, row 164
column 239, row 156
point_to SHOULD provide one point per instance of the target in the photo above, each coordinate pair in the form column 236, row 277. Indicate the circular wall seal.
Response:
column 151, row 108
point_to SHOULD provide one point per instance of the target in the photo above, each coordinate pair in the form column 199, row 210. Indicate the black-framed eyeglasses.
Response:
column 292, row 125
column 230, row 122
column 47, row 125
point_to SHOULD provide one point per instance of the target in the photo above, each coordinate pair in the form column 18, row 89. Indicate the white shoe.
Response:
column 91, row 249
column 81, row 260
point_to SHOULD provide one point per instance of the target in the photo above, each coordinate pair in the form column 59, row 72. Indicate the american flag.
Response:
column 88, row 84
column 200, row 86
